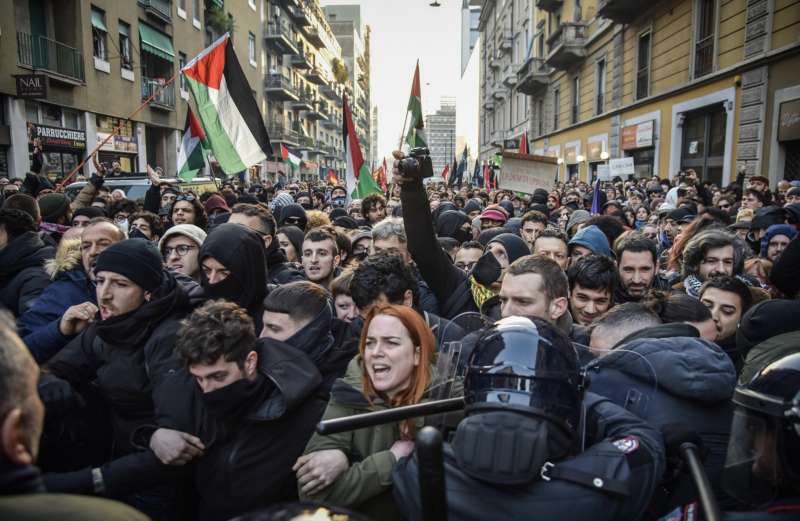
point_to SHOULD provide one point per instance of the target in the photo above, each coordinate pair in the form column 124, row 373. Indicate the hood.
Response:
column 25, row 251
column 663, row 331
column 594, row 239
column 449, row 222
column 690, row 368
column 316, row 339
column 293, row 214
column 776, row 229
column 295, row 377
column 68, row 257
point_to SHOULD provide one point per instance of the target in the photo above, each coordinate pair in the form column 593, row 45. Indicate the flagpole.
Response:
column 403, row 133
column 118, row 128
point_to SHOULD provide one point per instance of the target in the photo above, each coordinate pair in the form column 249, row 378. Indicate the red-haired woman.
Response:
column 393, row 368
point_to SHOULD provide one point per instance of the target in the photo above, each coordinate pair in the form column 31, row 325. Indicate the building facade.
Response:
column 440, row 133
column 675, row 84
column 354, row 37
column 100, row 60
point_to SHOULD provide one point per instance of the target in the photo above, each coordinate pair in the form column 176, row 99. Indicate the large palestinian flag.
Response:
column 359, row 179
column 226, row 108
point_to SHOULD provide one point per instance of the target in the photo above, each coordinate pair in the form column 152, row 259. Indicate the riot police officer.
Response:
column 533, row 442
column 762, row 468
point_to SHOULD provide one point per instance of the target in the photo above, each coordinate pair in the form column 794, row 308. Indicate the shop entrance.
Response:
column 703, row 147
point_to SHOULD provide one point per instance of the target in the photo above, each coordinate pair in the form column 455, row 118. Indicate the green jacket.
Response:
column 366, row 485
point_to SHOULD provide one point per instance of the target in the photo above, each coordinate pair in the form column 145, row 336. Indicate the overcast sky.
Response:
column 402, row 32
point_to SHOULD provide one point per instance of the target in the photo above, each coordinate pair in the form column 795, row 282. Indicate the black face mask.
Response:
column 228, row 289
column 306, row 206
column 237, row 398
column 462, row 235
column 135, row 233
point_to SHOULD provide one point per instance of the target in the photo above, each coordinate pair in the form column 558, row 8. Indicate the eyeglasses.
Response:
column 120, row 218
column 181, row 250
column 185, row 197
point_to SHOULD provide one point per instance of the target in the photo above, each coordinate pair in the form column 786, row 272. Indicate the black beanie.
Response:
column 539, row 196
column 785, row 273
column 514, row 245
column 136, row 259
column 764, row 320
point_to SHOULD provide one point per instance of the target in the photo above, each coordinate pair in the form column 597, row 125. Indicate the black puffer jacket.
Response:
column 249, row 458
column 673, row 380
column 22, row 273
column 131, row 360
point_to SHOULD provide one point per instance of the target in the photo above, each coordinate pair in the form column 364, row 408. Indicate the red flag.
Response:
column 284, row 152
column 523, row 143
column 486, row 176
column 384, row 181
column 332, row 179
column 446, row 172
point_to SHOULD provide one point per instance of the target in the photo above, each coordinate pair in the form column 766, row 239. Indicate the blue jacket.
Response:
column 673, row 380
column 38, row 326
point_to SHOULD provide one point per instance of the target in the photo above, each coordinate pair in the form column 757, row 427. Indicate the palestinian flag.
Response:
column 416, row 135
column 191, row 156
column 445, row 172
column 359, row 179
column 226, row 108
column 523, row 143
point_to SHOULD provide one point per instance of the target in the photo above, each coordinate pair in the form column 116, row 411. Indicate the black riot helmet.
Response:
column 763, row 460
column 527, row 366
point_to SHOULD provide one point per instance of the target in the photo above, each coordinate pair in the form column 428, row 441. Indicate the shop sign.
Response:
column 621, row 167
column 789, row 121
column 637, row 136
column 117, row 143
column 31, row 86
column 525, row 173
column 56, row 138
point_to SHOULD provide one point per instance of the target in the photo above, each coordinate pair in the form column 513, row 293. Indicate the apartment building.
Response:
column 354, row 37
column 95, row 61
column 675, row 84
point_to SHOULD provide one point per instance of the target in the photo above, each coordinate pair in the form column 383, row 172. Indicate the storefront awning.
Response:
column 155, row 42
column 98, row 22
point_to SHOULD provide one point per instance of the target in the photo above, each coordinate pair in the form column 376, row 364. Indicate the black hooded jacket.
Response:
column 240, row 250
column 22, row 273
column 130, row 360
column 249, row 457
column 449, row 224
column 279, row 269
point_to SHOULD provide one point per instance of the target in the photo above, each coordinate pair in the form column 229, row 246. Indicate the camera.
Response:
column 417, row 164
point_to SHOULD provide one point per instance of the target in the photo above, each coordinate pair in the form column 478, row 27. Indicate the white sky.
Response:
column 402, row 31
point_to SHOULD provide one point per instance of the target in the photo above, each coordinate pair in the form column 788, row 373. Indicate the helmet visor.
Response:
column 752, row 466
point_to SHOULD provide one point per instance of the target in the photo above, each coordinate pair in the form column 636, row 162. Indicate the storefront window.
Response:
column 643, row 161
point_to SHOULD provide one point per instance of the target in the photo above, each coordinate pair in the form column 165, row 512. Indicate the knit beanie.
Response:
column 508, row 206
column 777, row 229
column 514, row 245
column 136, row 259
column 198, row 235
column 539, row 196
column 52, row 206
column 473, row 205
column 216, row 202
column 577, row 217
column 89, row 211
column 280, row 200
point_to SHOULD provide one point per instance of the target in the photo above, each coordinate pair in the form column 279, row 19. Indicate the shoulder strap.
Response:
column 591, row 480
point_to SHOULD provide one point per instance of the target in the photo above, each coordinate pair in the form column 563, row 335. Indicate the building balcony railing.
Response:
column 622, row 11
column 299, row 15
column 331, row 152
column 549, row 5
column 315, row 76
column 330, row 92
column 567, row 45
column 280, row 134
column 532, row 76
column 300, row 61
column 312, row 35
column 279, row 36
column 164, row 94
column 510, row 75
column 315, row 113
column 304, row 101
column 305, row 143
column 334, row 121
column 280, row 88
column 160, row 9
column 46, row 54
column 506, row 41
column 498, row 138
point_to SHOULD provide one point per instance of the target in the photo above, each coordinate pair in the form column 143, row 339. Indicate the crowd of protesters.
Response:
column 184, row 346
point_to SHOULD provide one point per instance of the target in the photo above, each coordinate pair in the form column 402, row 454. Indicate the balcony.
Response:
column 498, row 138
column 495, row 60
column 278, row 87
column 567, row 45
column 510, row 75
column 161, row 10
column 331, row 152
column 333, row 121
column 313, row 37
column 305, row 143
column 533, row 75
column 362, row 102
column 300, row 61
column 315, row 76
column 280, row 134
column 164, row 94
column 329, row 92
column 303, row 101
column 61, row 62
column 315, row 114
column 549, row 5
column 506, row 41
column 622, row 11
column 278, row 35
column 299, row 15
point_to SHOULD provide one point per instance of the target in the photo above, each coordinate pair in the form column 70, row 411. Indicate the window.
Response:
column 643, row 66
column 251, row 48
column 196, row 10
column 556, row 107
column 182, row 4
column 182, row 64
column 252, row 4
column 600, row 88
column 99, row 33
column 704, row 38
column 575, row 99
column 125, row 46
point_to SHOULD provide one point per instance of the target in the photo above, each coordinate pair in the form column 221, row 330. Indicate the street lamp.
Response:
column 435, row 4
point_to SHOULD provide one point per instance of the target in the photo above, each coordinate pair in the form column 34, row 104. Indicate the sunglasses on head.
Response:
column 185, row 197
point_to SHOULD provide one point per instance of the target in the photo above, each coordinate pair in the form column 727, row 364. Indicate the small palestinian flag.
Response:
column 191, row 156
column 416, row 135
column 226, row 107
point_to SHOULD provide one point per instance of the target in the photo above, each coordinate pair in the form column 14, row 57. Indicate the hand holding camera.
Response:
column 416, row 166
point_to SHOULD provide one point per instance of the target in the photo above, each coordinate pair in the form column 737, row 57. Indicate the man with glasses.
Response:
column 180, row 247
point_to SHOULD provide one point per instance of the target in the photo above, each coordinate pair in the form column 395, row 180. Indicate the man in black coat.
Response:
column 256, row 410
column 127, row 356
column 22, row 257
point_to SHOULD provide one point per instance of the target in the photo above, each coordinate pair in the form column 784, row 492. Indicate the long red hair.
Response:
column 421, row 336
